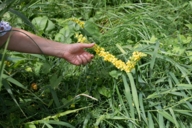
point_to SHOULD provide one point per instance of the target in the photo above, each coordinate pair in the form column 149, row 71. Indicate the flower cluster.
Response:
column 81, row 38
column 127, row 67
column 77, row 21
column 136, row 56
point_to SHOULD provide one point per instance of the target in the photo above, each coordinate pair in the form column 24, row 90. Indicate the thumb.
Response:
column 87, row 45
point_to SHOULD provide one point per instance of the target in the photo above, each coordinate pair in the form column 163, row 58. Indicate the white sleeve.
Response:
column 4, row 27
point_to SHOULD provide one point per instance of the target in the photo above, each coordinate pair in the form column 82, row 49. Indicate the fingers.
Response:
column 84, row 58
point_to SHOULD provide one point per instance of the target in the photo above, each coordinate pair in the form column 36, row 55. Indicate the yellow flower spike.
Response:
column 77, row 21
column 127, row 67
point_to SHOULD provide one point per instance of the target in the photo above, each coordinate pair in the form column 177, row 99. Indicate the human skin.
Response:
column 26, row 42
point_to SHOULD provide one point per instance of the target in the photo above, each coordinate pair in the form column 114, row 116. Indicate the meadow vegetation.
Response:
column 38, row 91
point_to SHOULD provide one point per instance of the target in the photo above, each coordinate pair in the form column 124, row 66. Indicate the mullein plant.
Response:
column 119, row 64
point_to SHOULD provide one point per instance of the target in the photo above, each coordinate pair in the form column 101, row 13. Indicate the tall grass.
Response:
column 40, row 91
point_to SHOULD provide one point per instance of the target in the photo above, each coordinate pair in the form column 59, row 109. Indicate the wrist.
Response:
column 55, row 49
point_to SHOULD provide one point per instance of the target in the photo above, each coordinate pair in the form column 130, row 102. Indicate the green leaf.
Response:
column 189, row 55
column 91, row 30
column 115, row 74
column 185, row 40
column 152, row 40
column 43, row 23
column 37, row 67
column 65, row 34
column 189, row 25
column 46, row 68
column 178, row 50
column 49, row 26
column 105, row 91
column 40, row 22
column 55, row 81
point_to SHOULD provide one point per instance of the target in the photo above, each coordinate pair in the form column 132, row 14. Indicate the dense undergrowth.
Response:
column 44, row 91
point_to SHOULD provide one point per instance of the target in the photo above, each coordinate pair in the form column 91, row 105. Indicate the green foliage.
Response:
column 40, row 91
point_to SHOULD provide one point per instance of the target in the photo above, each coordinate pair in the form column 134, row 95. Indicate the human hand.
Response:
column 76, row 54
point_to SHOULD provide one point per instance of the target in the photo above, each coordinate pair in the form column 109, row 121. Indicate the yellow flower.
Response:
column 34, row 86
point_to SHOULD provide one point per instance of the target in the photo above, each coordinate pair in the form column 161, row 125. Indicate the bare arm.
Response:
column 74, row 53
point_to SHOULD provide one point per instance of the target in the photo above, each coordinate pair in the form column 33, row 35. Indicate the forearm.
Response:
column 23, row 41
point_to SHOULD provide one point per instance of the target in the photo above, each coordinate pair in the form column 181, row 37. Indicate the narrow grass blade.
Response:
column 61, row 123
column 166, row 115
column 128, row 96
column 15, row 82
column 99, row 119
column 121, row 99
column 120, row 48
column 54, row 116
column 23, row 17
column 5, row 6
column 159, row 94
column 134, row 93
column 86, row 121
column 122, row 103
column 151, row 123
column 174, row 118
column 154, row 56
column 55, row 97
column 160, row 117
column 184, row 72
column 184, row 112
column 186, row 100
column 160, row 121
column 48, row 125
column 184, row 86
column 2, row 61
column 142, row 108
column 18, row 84
column 7, row 87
